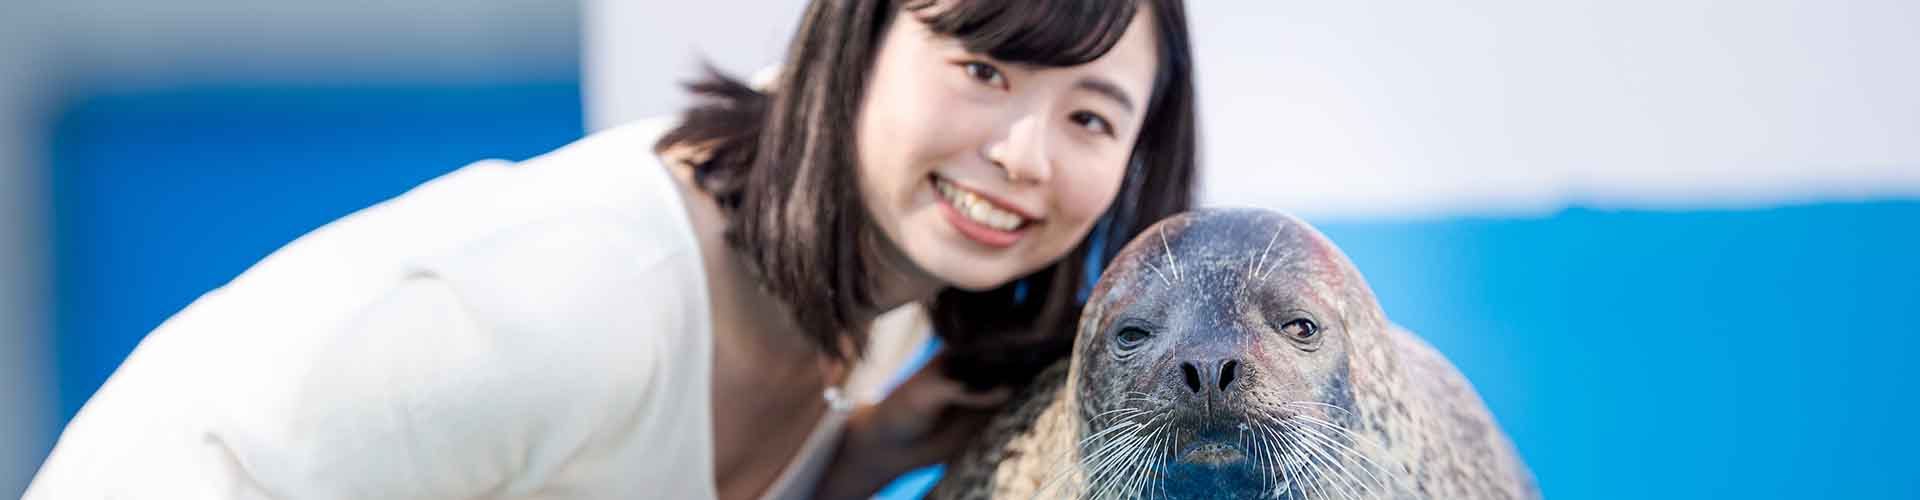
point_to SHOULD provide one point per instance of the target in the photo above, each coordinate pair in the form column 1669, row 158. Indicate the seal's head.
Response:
column 1219, row 352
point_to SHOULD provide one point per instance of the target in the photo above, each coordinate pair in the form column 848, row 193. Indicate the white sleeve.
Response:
column 554, row 355
column 418, row 400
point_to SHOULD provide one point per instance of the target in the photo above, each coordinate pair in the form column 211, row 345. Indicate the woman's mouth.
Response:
column 979, row 218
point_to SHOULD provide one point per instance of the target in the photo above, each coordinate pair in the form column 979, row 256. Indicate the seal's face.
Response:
column 1214, row 357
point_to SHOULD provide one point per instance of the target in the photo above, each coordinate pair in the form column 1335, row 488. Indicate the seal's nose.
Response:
column 1209, row 376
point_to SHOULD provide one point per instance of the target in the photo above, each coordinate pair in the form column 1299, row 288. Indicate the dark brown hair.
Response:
column 780, row 166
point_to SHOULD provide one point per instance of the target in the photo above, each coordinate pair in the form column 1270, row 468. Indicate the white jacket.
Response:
column 529, row 331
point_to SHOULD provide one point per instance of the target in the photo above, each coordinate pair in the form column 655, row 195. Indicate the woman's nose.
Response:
column 1022, row 152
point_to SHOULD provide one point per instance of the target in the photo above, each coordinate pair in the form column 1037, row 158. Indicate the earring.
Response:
column 835, row 394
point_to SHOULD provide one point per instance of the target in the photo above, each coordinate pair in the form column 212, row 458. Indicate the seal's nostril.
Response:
column 1227, row 373
column 1193, row 376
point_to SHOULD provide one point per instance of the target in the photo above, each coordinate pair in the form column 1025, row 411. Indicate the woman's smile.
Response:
column 979, row 216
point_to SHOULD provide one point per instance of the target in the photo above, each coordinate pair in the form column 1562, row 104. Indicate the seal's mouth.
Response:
column 1212, row 453
column 1209, row 466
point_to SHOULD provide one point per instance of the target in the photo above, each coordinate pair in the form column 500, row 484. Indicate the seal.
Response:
column 1238, row 353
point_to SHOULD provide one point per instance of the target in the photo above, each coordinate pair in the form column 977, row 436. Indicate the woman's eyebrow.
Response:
column 1107, row 88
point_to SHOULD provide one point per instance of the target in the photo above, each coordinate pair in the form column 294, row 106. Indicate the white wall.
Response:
column 26, row 382
column 638, row 53
column 1369, row 108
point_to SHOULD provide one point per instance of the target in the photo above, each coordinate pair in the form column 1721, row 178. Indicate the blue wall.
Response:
column 1687, row 354
column 1757, row 353
column 160, row 197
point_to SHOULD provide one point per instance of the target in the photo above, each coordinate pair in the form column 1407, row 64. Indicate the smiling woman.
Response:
column 991, row 143
column 658, row 310
column 994, row 142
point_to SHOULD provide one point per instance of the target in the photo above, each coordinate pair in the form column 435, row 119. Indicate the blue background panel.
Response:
column 160, row 197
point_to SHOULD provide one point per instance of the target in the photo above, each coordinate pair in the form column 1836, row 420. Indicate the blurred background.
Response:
column 1673, row 243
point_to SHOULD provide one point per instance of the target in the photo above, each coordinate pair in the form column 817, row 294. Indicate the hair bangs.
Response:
column 1042, row 32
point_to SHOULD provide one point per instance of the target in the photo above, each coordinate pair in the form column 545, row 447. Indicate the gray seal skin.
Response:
column 1238, row 354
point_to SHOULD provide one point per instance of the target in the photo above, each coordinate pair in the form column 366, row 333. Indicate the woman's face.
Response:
column 981, row 171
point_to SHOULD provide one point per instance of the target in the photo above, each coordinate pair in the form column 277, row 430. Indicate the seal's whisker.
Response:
column 1065, row 462
column 1304, row 459
column 1281, row 454
column 1328, row 455
column 1101, row 460
column 1163, row 458
column 1240, row 438
column 1346, row 475
column 1132, row 485
column 1320, row 404
column 1118, row 421
column 1157, row 272
column 1269, row 451
column 1321, row 481
column 1276, row 467
column 1356, row 437
column 1103, row 446
column 1167, row 457
column 1300, row 460
column 1343, row 450
column 1137, row 479
column 1135, row 485
column 1270, row 483
column 1119, row 410
column 1108, row 480
column 1104, row 479
column 1261, row 262
column 1166, row 462
column 1353, row 449
column 1114, row 454
column 1144, row 469
column 1312, row 456
column 1110, row 458
column 1110, row 453
column 1171, row 263
column 1128, row 422
column 1129, row 413
column 1296, row 462
column 1065, row 465
column 1270, row 270
column 1111, row 428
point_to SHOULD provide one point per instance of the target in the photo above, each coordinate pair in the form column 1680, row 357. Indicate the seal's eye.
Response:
column 1301, row 329
column 1131, row 337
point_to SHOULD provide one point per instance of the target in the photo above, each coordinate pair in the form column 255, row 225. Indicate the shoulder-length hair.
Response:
column 780, row 165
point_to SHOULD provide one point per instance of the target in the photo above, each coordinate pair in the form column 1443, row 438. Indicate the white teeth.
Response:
column 976, row 208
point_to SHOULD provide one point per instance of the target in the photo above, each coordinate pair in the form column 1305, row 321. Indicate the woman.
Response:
column 655, row 310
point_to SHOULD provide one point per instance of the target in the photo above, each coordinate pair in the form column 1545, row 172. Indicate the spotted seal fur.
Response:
column 1238, row 354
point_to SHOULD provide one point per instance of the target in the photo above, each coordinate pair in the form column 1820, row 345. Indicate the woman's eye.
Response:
column 1300, row 329
column 985, row 73
column 1131, row 337
column 1092, row 122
